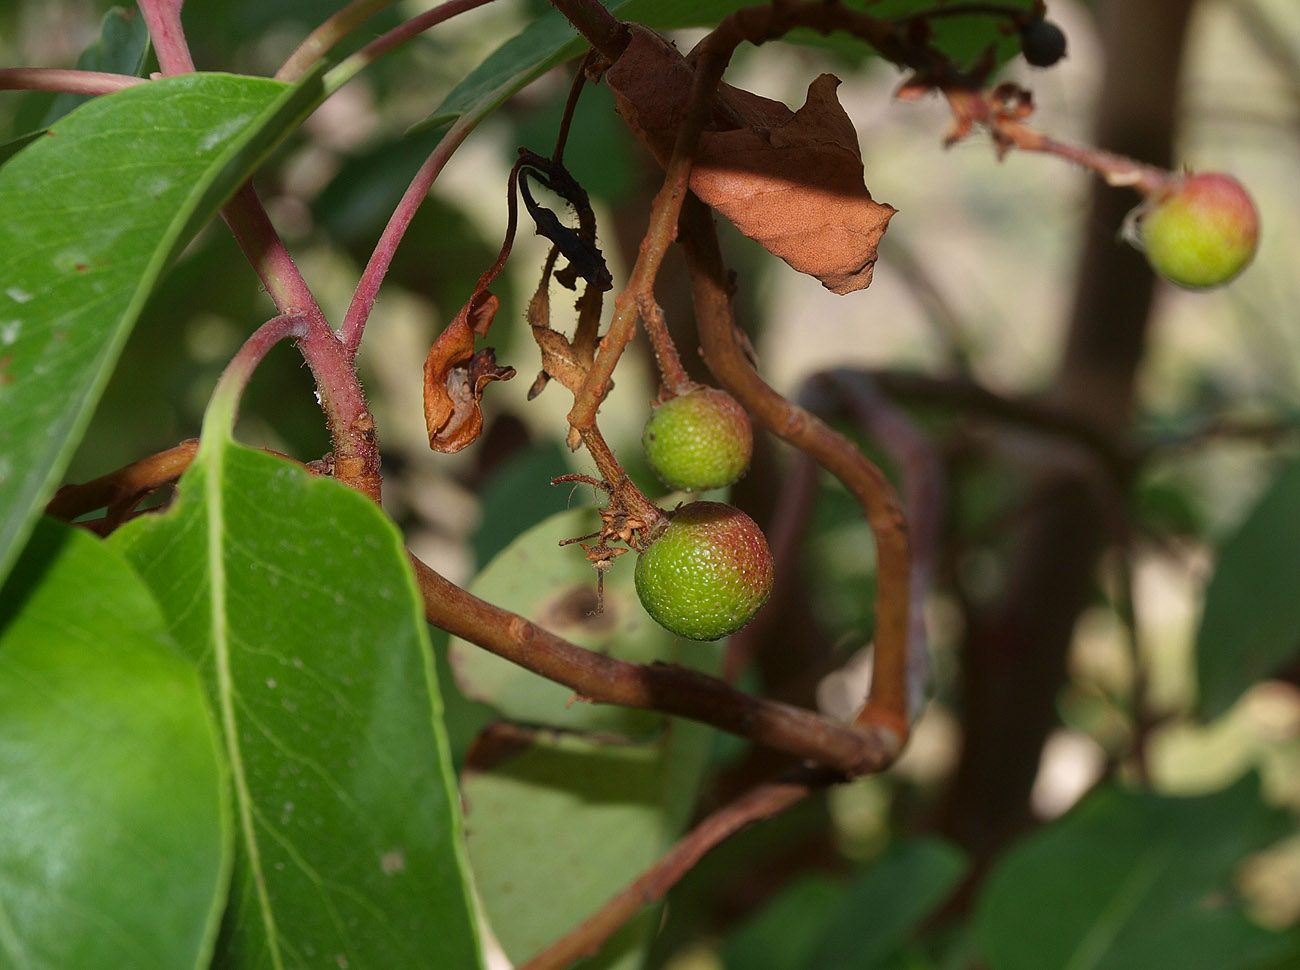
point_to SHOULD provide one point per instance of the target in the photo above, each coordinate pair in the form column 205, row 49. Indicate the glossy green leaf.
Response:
column 122, row 48
column 294, row 595
column 114, row 849
column 555, row 587
column 819, row 924
column 595, row 815
column 1130, row 881
column 1251, row 623
column 93, row 212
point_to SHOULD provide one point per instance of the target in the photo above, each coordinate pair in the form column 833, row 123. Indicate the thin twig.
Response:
column 127, row 484
column 350, row 67
column 888, row 701
column 163, row 18
column 363, row 298
column 922, row 473
column 321, row 40
column 666, row 688
column 65, row 80
column 761, row 802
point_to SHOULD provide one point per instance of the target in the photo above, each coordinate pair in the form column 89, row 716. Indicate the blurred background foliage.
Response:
column 974, row 284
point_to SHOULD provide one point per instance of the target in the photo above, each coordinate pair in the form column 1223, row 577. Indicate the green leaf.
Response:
column 294, row 595
column 555, row 586
column 93, row 213
column 595, row 815
column 1251, row 623
column 122, row 48
column 114, row 851
column 1131, row 881
column 819, row 924
column 551, row 40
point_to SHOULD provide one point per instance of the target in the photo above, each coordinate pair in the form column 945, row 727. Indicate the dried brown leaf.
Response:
column 455, row 376
column 792, row 181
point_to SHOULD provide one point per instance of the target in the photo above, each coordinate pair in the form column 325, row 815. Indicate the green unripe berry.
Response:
column 1200, row 232
column 698, row 440
column 707, row 573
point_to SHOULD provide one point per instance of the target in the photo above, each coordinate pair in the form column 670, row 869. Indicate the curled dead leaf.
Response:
column 792, row 181
column 455, row 376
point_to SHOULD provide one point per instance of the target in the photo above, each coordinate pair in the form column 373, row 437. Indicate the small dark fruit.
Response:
column 707, row 573
column 1042, row 42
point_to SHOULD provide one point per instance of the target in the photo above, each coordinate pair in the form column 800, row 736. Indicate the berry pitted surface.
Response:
column 699, row 440
column 1201, row 232
column 707, row 574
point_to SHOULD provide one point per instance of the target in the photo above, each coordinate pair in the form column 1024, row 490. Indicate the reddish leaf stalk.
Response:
column 65, row 80
column 666, row 688
column 163, row 18
column 761, row 802
column 400, row 34
column 363, row 298
column 267, row 254
column 322, row 40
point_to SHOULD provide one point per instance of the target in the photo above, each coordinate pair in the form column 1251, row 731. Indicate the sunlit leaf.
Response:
column 295, row 597
column 93, row 213
column 114, row 847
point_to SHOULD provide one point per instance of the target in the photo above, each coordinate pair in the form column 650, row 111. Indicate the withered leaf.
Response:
column 455, row 376
column 792, row 181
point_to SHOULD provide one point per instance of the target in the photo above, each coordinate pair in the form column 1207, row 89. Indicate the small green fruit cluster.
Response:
column 699, row 440
column 1200, row 232
column 707, row 573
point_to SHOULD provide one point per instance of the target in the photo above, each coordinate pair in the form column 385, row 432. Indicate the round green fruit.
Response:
column 707, row 573
column 1200, row 232
column 699, row 440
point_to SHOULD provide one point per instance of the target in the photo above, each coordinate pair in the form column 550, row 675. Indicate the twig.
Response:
column 922, row 473
column 349, row 68
column 666, row 688
column 363, row 298
column 762, row 802
column 66, row 80
column 888, row 701
column 163, row 18
column 125, row 486
column 601, row 29
column 267, row 254
column 321, row 40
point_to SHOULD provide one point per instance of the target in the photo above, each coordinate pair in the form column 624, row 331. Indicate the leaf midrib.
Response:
column 213, row 456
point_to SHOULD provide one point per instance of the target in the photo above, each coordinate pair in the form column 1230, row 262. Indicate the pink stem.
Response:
column 163, row 18
column 267, row 254
column 381, row 45
column 316, row 44
column 363, row 299
column 69, row 81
